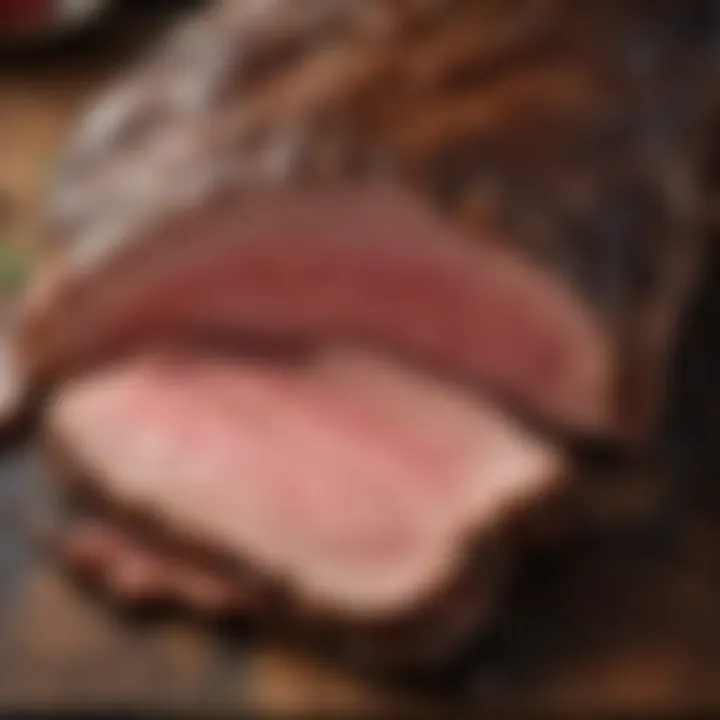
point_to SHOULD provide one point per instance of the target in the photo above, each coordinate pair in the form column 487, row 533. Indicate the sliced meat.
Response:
column 574, row 131
column 500, row 195
column 374, row 266
column 142, row 567
column 357, row 484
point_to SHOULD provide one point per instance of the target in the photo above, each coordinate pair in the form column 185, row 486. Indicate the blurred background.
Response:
column 565, row 648
column 54, row 54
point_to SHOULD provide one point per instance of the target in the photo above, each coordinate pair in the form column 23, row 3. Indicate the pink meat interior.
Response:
column 352, row 477
column 370, row 267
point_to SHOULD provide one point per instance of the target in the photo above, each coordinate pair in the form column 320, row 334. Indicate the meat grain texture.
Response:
column 337, row 285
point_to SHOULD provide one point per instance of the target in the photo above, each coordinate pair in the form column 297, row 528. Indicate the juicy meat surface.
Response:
column 353, row 480
column 372, row 266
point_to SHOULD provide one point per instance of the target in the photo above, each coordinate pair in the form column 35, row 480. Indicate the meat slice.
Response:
column 573, row 132
column 370, row 265
column 353, row 482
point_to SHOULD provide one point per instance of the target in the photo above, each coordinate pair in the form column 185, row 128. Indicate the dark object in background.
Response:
column 34, row 24
column 23, row 21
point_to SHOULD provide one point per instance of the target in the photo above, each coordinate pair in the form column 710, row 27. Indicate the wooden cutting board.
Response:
column 626, row 618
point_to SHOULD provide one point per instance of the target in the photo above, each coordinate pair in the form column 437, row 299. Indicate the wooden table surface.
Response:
column 626, row 617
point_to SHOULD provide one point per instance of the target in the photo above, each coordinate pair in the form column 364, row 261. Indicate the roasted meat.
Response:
column 352, row 484
column 318, row 266
column 337, row 284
